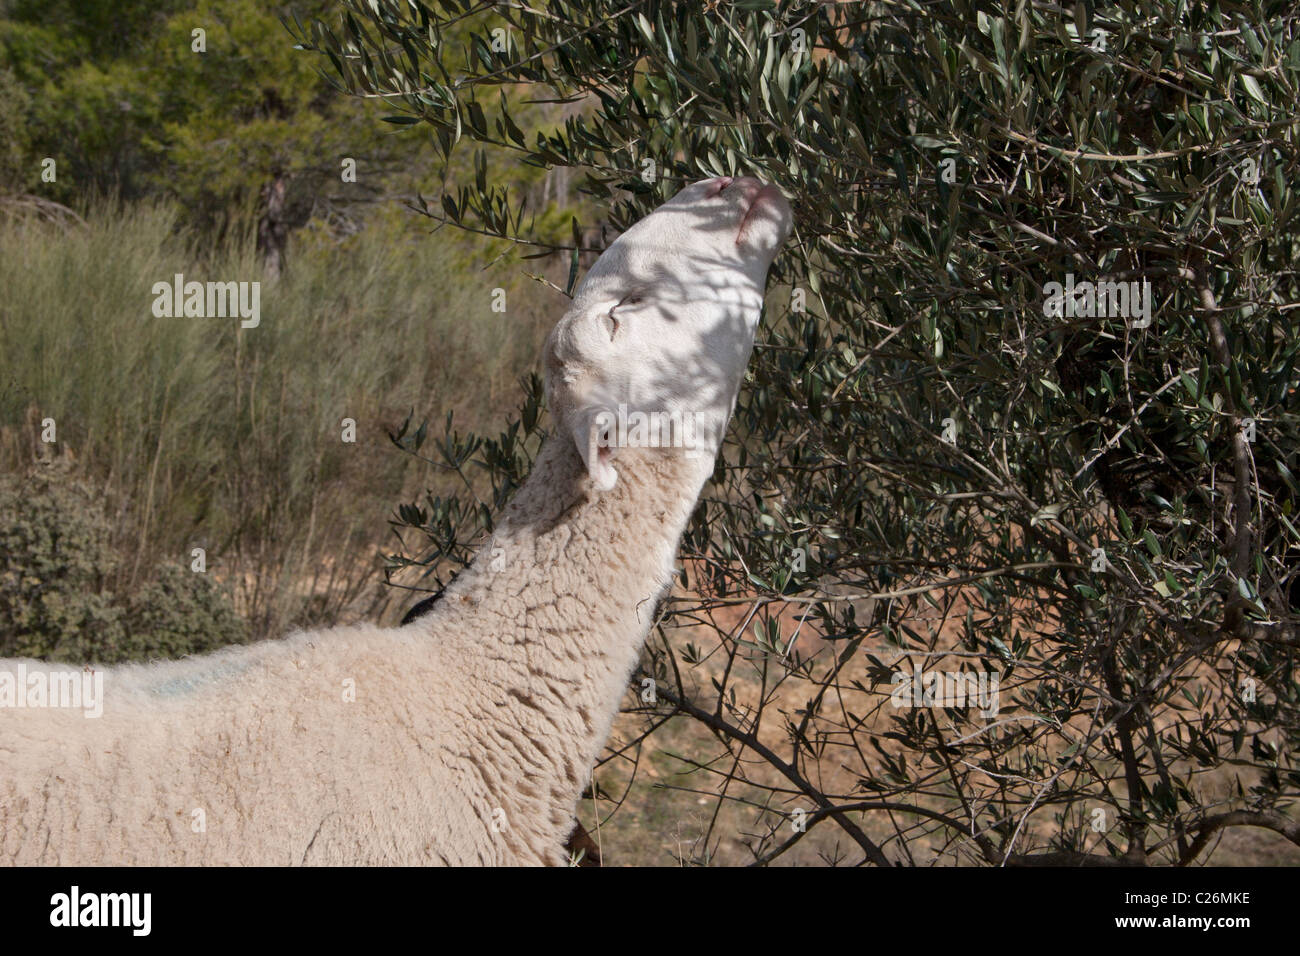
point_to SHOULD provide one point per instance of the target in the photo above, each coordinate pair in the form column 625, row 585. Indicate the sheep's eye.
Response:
column 631, row 300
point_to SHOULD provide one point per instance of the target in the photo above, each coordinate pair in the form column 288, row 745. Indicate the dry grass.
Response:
column 205, row 434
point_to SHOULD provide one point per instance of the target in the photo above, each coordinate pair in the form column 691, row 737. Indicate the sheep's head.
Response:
column 654, row 345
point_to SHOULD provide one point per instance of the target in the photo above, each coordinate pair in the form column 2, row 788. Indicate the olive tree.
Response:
column 1016, row 452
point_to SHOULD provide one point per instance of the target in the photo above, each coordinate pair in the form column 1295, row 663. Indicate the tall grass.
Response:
column 205, row 434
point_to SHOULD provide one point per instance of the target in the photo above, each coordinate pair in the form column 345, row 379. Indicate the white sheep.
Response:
column 466, row 736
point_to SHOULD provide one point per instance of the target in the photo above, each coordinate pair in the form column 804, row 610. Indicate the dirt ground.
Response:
column 671, row 804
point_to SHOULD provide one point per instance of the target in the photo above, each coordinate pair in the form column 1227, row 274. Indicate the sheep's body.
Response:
column 433, row 762
column 467, row 735
column 233, row 736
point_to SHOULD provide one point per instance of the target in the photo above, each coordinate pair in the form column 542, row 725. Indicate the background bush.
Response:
column 56, row 562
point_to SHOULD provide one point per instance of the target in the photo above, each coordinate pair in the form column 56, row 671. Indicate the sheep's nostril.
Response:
column 723, row 182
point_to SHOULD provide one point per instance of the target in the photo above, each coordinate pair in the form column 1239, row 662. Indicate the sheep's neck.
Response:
column 575, row 572
column 560, row 600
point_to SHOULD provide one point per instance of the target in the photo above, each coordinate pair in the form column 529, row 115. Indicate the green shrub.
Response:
column 56, row 559
column 180, row 612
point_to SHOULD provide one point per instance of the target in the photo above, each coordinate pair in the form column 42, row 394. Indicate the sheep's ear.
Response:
column 593, row 432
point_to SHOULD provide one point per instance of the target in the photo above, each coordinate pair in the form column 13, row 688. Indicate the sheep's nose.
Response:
column 721, row 183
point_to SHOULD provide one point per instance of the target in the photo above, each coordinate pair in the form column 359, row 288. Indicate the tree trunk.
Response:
column 272, row 231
